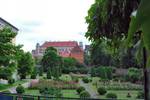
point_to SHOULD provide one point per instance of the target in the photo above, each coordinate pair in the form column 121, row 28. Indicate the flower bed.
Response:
column 55, row 84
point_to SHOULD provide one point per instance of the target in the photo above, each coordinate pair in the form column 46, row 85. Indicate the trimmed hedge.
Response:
column 84, row 94
column 111, row 95
column 101, row 90
column 80, row 89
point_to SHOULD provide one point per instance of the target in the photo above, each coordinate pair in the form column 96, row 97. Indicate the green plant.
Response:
column 33, row 76
column 11, row 81
column 101, row 90
column 85, row 79
column 140, row 95
column 111, row 95
column 80, row 89
column 50, row 91
column 128, row 95
column 84, row 94
column 20, row 89
column 49, row 74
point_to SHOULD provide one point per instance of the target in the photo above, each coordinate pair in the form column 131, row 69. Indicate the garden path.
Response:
column 89, row 89
column 25, row 85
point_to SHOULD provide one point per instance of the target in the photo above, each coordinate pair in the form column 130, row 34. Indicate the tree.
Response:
column 99, row 55
column 103, row 21
column 141, row 21
column 8, row 52
column 25, row 64
column 51, row 61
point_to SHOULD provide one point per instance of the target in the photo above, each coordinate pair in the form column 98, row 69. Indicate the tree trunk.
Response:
column 146, row 71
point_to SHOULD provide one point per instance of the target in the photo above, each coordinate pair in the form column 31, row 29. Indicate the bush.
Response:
column 80, row 89
column 11, row 81
column 134, row 75
column 84, row 94
column 128, row 95
column 140, row 95
column 111, row 95
column 33, row 76
column 85, row 80
column 50, row 91
column 49, row 75
column 101, row 90
column 20, row 89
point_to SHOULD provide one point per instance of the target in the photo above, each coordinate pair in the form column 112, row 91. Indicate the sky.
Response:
column 46, row 20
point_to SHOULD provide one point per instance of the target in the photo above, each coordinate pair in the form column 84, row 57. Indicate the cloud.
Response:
column 46, row 20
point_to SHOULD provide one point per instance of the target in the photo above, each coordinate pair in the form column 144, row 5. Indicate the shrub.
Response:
column 80, row 89
column 84, row 94
column 111, row 95
column 75, row 79
column 50, row 91
column 128, row 95
column 85, row 80
column 101, row 90
column 11, row 81
column 33, row 76
column 133, row 75
column 20, row 89
column 49, row 75
column 140, row 95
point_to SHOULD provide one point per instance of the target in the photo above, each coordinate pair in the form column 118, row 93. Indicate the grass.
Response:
column 66, row 77
column 4, row 87
column 122, row 94
column 70, row 93
column 32, row 92
column 66, row 93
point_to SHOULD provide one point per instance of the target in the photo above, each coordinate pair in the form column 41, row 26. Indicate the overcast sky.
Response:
column 46, row 20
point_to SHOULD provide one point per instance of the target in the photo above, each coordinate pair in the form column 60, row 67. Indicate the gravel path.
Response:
column 89, row 89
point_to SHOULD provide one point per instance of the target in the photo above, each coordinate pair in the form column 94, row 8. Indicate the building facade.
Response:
column 64, row 48
column 4, row 23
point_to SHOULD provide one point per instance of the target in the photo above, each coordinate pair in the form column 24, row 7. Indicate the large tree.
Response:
column 109, row 19
column 8, row 51
column 141, row 21
column 25, row 64
column 52, row 62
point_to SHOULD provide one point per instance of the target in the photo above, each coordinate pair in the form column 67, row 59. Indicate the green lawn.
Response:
column 70, row 93
column 4, row 87
column 66, row 93
column 122, row 94
column 66, row 77
column 32, row 92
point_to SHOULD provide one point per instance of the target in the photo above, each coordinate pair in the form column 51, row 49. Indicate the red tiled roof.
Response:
column 60, row 44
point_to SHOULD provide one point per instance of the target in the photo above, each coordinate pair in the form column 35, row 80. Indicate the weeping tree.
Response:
column 141, row 21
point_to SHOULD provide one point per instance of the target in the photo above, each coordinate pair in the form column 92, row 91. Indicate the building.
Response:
column 64, row 48
column 4, row 23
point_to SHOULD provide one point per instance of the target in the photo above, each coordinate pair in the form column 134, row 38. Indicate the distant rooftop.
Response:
column 9, row 24
column 60, row 44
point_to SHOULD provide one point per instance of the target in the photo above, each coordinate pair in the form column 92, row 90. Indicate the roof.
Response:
column 76, row 49
column 9, row 24
column 60, row 44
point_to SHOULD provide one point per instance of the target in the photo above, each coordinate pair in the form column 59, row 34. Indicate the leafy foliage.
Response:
column 84, row 94
column 52, row 61
column 103, row 21
column 8, row 52
column 111, row 95
column 101, row 90
column 141, row 22
column 25, row 64
column 20, row 89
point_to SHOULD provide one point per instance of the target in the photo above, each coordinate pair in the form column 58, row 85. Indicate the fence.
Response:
column 9, row 96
